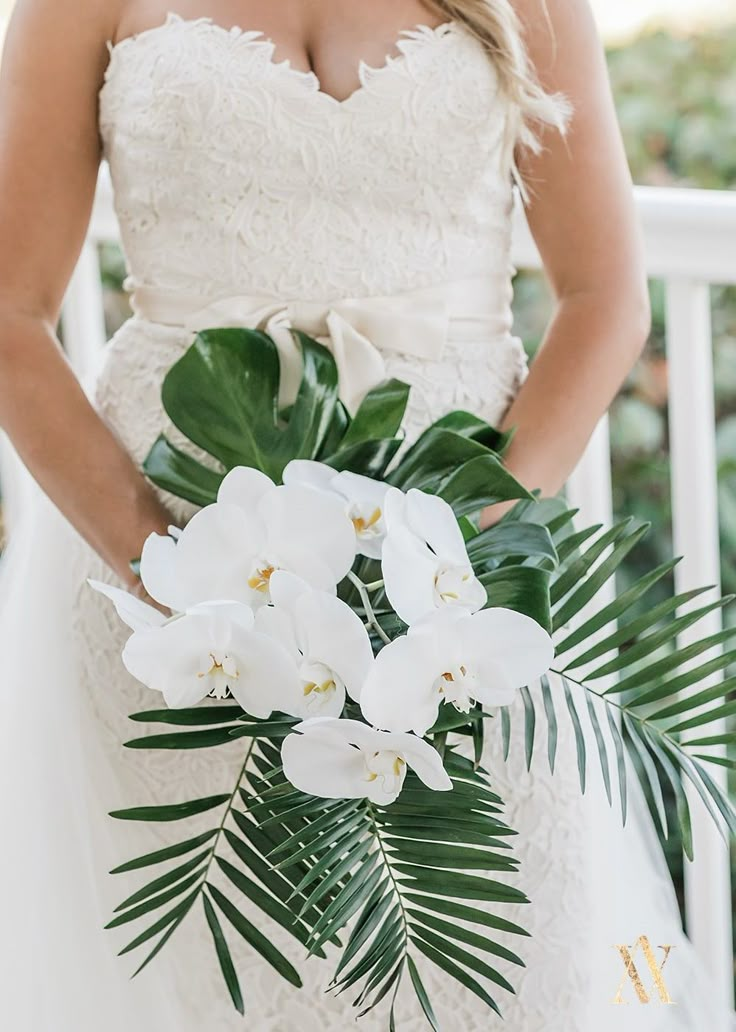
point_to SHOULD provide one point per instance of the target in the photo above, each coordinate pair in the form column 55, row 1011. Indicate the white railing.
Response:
column 690, row 238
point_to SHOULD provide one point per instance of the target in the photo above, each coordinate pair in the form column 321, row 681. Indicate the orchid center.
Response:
column 260, row 579
column 387, row 767
column 451, row 583
column 220, row 671
column 456, row 686
column 367, row 526
column 319, row 684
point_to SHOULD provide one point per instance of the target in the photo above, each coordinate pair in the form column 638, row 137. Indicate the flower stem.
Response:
column 362, row 590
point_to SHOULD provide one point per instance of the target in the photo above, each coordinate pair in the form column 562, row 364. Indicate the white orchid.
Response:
column 229, row 549
column 362, row 497
column 325, row 638
column 210, row 650
column 346, row 759
column 454, row 657
column 424, row 560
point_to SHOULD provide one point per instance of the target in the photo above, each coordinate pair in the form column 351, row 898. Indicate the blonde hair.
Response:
column 495, row 24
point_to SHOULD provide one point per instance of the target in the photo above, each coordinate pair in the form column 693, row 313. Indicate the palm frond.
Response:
column 652, row 710
column 412, row 864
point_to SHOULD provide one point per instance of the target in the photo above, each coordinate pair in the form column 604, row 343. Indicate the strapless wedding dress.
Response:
column 241, row 186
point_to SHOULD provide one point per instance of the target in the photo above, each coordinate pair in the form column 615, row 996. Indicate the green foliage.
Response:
column 679, row 126
column 652, row 708
column 406, row 878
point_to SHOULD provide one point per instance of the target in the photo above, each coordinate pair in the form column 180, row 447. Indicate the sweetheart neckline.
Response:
column 309, row 78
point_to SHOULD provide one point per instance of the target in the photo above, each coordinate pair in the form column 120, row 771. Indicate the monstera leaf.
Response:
column 222, row 395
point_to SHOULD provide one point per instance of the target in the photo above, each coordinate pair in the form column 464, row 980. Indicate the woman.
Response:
column 331, row 153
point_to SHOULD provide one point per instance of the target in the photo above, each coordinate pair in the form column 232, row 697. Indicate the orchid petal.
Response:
column 431, row 518
column 277, row 624
column 215, row 554
column 168, row 659
column 335, row 636
column 347, row 759
column 159, row 572
column 409, row 570
column 180, row 659
column 308, row 473
column 356, row 486
column 394, row 508
column 364, row 499
column 133, row 611
column 286, row 589
column 398, row 693
column 245, row 486
column 310, row 533
column 518, row 650
column 231, row 612
column 327, row 631
column 324, row 765
column 268, row 679
column 211, row 559
column 423, row 759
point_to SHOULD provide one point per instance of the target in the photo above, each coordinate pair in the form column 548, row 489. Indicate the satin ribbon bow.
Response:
column 357, row 330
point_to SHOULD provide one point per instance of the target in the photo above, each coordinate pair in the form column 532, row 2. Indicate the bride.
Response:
column 302, row 151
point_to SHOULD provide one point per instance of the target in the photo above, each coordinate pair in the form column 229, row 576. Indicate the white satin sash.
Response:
column 357, row 330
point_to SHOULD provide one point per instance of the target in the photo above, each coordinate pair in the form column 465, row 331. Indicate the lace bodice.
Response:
column 278, row 186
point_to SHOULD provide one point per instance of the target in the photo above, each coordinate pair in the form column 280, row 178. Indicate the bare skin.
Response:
column 52, row 69
column 583, row 221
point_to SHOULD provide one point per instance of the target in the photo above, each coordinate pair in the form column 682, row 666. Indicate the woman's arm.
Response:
column 51, row 71
column 583, row 220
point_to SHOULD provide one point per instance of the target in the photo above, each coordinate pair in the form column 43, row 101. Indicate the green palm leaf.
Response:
column 653, row 680
column 390, row 867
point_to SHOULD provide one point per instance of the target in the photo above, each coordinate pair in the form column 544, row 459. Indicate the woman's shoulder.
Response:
column 78, row 27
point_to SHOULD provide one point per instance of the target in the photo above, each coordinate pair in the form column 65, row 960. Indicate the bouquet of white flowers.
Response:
column 336, row 598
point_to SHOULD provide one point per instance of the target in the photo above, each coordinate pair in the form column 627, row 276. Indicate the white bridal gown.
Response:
column 239, row 181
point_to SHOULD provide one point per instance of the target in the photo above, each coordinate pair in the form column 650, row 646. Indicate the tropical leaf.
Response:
column 504, row 542
column 435, row 455
column 222, row 394
column 401, row 857
column 223, row 955
column 522, row 588
column 379, row 414
column 173, row 470
column 655, row 695
column 478, row 482
column 187, row 881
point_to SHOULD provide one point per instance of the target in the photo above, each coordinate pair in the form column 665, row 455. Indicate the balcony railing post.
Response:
column 695, row 528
